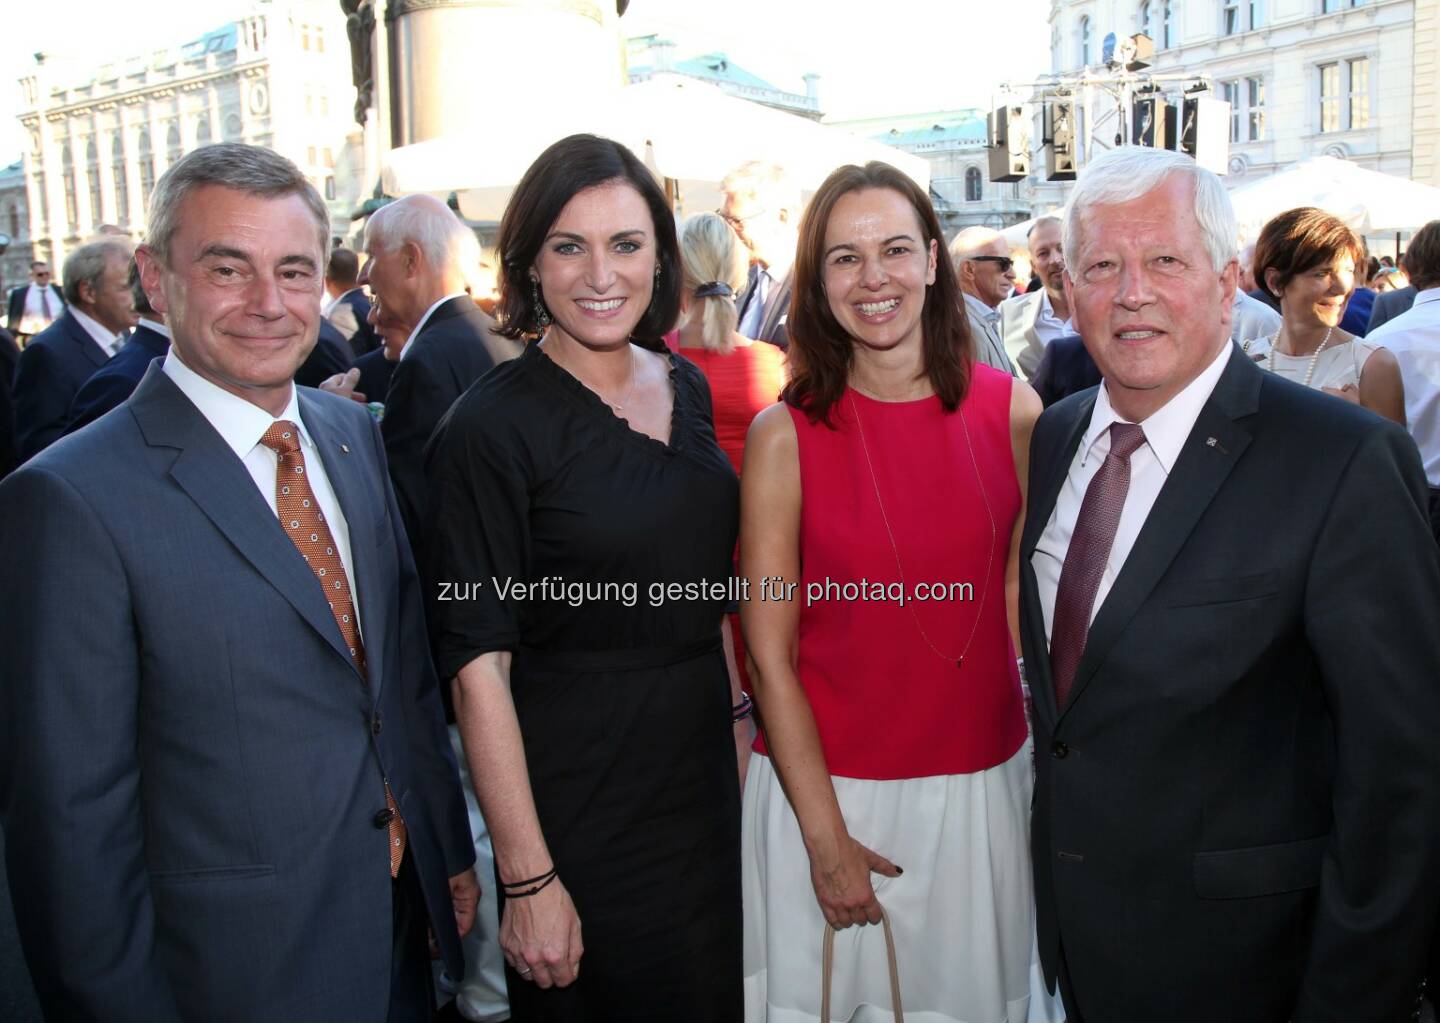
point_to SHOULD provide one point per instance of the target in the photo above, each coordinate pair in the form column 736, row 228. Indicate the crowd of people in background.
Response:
column 694, row 589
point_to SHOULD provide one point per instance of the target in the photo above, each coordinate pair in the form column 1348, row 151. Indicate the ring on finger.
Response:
column 524, row 970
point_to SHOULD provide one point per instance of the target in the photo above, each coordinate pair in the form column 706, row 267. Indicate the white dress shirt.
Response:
column 1413, row 338
column 107, row 339
column 1048, row 326
column 1166, row 431
column 42, row 308
column 421, row 325
column 331, row 303
column 241, row 425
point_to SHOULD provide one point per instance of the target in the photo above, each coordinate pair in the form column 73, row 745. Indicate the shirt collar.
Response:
column 106, row 339
column 1047, row 311
column 421, row 325
column 239, row 423
column 1168, row 427
column 1426, row 297
column 162, row 329
column 986, row 312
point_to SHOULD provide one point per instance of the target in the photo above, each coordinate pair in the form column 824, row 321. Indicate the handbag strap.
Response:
column 827, row 968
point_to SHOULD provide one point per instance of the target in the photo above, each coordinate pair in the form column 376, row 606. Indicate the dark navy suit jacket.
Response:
column 375, row 372
column 330, row 355
column 1065, row 368
column 52, row 369
column 191, row 765
column 112, row 383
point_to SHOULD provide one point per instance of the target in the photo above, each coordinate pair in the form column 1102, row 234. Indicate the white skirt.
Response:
column 962, row 913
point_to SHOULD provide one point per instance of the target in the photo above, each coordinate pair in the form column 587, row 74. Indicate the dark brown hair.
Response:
column 1422, row 258
column 560, row 173
column 1302, row 239
column 821, row 352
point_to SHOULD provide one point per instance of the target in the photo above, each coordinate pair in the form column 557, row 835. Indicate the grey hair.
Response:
column 445, row 240
column 87, row 264
column 253, row 170
column 1040, row 222
column 767, row 182
column 1127, row 173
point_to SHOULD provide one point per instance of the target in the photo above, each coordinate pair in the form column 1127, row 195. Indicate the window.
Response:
column 14, row 223
column 319, row 39
column 122, row 181
column 1331, row 6
column 1230, row 18
column 330, row 188
column 973, row 186
column 1345, row 108
column 232, row 126
column 202, row 130
column 147, row 165
column 1256, row 9
column 173, row 151
column 329, row 157
column 67, row 172
column 1085, row 41
column 1246, row 97
column 310, row 155
column 1167, row 25
column 304, row 37
column 324, row 105
column 92, row 179
column 1146, row 28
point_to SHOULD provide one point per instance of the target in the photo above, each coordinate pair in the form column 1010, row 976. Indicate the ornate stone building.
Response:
column 648, row 56
column 1425, row 164
column 100, row 137
column 14, row 224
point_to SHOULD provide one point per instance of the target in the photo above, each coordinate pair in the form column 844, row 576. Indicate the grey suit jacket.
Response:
column 1017, row 329
column 190, row 764
column 1390, row 305
column 989, row 349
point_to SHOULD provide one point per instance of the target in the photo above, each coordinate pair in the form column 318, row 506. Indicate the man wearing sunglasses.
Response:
column 33, row 307
column 986, row 275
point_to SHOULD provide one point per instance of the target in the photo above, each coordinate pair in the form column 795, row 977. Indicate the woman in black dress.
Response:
column 576, row 491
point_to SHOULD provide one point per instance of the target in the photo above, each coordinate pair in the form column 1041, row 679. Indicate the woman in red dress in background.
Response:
column 745, row 376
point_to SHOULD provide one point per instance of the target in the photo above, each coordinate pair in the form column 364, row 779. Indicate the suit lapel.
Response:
column 87, row 344
column 1215, row 444
column 342, row 467
column 220, row 485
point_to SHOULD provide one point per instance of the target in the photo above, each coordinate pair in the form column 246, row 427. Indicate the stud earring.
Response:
column 542, row 315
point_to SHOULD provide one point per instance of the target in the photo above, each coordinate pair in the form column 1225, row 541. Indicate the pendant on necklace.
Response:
column 960, row 661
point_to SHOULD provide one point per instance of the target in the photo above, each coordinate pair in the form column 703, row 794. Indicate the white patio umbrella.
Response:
column 1368, row 201
column 683, row 129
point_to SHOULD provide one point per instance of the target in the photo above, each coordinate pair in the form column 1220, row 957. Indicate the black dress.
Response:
column 620, row 687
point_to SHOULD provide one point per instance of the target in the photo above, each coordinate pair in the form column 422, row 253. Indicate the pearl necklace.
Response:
column 1314, row 358
column 894, row 549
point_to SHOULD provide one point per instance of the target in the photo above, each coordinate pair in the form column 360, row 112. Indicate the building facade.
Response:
column 648, row 56
column 953, row 143
column 1304, row 78
column 1425, row 142
column 100, row 137
column 15, row 225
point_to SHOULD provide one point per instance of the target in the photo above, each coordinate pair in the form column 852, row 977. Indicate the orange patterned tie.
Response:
column 304, row 523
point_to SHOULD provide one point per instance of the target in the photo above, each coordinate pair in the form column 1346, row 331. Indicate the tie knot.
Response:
column 1125, row 438
column 283, row 437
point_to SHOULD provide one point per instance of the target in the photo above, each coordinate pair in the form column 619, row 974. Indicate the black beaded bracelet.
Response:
column 743, row 709
column 536, row 884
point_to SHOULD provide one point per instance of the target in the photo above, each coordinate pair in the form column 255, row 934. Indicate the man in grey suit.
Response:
column 763, row 204
column 224, row 775
column 986, row 275
column 1390, row 305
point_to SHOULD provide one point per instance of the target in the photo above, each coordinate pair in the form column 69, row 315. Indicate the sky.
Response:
column 875, row 57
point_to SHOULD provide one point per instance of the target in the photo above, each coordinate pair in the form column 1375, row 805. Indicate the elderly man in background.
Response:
column 1030, row 322
column 58, row 360
column 114, row 382
column 763, row 205
column 986, row 275
column 1236, row 800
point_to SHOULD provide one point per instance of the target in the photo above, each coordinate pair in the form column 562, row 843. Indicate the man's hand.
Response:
column 464, row 897
column 344, row 384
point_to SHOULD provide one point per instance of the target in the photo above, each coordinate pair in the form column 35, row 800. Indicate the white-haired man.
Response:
column 1235, row 807
column 763, row 205
column 986, row 275
column 421, row 259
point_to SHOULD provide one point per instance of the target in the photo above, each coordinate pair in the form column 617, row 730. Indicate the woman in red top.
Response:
column 744, row 375
column 880, row 514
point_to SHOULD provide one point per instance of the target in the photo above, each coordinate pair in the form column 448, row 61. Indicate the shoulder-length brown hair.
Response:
column 565, row 169
column 1300, row 240
column 821, row 351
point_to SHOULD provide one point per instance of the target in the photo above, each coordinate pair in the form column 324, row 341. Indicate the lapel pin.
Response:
column 346, row 447
column 1214, row 442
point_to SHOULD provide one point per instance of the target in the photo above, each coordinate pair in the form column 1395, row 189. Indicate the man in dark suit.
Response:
column 347, row 308
column 9, row 356
column 114, row 382
column 420, row 260
column 33, row 307
column 1236, row 796
column 763, row 205
column 330, row 355
column 59, row 359
column 224, row 776
column 1065, row 369
column 1390, row 305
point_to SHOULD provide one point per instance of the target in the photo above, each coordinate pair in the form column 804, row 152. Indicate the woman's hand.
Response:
column 1349, row 393
column 842, row 882
column 540, row 936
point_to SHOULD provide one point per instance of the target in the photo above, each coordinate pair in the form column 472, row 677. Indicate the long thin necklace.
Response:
column 894, row 549
column 619, row 406
column 1314, row 358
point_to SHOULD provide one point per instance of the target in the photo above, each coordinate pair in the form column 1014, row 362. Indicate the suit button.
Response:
column 1059, row 750
column 375, row 723
column 384, row 817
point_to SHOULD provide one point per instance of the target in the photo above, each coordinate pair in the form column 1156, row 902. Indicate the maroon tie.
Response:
column 45, row 302
column 305, row 524
column 1089, row 551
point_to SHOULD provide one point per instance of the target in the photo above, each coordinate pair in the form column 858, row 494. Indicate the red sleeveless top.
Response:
column 887, row 705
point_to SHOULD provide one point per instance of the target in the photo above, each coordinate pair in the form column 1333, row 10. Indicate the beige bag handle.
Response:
column 827, row 967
